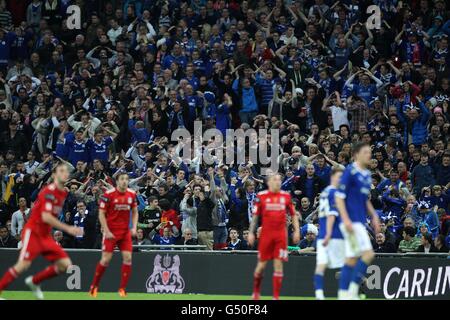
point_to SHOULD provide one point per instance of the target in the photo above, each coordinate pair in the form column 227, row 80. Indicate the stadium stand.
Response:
column 107, row 97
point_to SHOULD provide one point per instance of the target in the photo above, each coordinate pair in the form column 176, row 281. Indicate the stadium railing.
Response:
column 170, row 246
column 197, row 248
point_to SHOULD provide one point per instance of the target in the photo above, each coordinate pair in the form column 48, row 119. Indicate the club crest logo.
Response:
column 166, row 276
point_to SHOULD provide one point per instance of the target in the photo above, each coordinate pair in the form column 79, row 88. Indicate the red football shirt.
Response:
column 117, row 206
column 50, row 199
column 272, row 208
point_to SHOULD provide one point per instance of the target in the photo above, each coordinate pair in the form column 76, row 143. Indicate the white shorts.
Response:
column 357, row 242
column 333, row 255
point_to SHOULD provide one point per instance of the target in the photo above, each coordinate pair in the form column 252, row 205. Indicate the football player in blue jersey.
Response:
column 330, row 242
column 354, row 206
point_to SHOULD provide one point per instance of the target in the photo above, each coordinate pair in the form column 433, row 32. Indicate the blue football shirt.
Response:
column 354, row 187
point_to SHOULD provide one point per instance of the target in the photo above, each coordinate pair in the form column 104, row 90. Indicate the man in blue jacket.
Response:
column 249, row 107
column 139, row 132
column 429, row 217
column 394, row 206
column 394, row 181
column 414, row 123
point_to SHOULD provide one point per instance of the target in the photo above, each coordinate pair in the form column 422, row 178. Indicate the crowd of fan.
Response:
column 105, row 99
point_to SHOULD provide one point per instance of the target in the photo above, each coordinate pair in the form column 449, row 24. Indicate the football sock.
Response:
column 359, row 272
column 318, row 281
column 346, row 276
column 318, row 285
column 353, row 291
column 277, row 279
column 47, row 273
column 9, row 276
column 257, row 280
column 126, row 272
column 99, row 270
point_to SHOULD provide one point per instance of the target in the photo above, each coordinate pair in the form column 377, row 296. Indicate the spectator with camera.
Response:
column 189, row 214
column 218, row 195
column 205, row 220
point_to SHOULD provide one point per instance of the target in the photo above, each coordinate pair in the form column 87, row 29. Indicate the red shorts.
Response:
column 34, row 245
column 272, row 247
column 122, row 239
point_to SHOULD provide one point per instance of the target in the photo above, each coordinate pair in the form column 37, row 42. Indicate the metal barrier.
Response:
column 170, row 246
column 146, row 246
column 185, row 248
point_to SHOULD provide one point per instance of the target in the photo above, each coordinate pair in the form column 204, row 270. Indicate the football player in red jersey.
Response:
column 36, row 235
column 272, row 205
column 114, row 217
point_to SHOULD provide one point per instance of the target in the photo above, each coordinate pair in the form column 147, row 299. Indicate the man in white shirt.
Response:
column 115, row 31
column 289, row 38
column 87, row 121
column 31, row 165
column 339, row 113
column 19, row 218
column 18, row 70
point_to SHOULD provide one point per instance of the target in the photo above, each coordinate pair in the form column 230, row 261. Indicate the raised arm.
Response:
column 280, row 71
column 399, row 36
column 369, row 39
column 394, row 68
column 112, row 134
column 294, row 16
column 303, row 17
column 278, row 52
column 338, row 73
column 371, row 75
column 325, row 106
column 71, row 121
column 425, row 111
column 333, row 163
column 350, row 79
column 375, row 218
